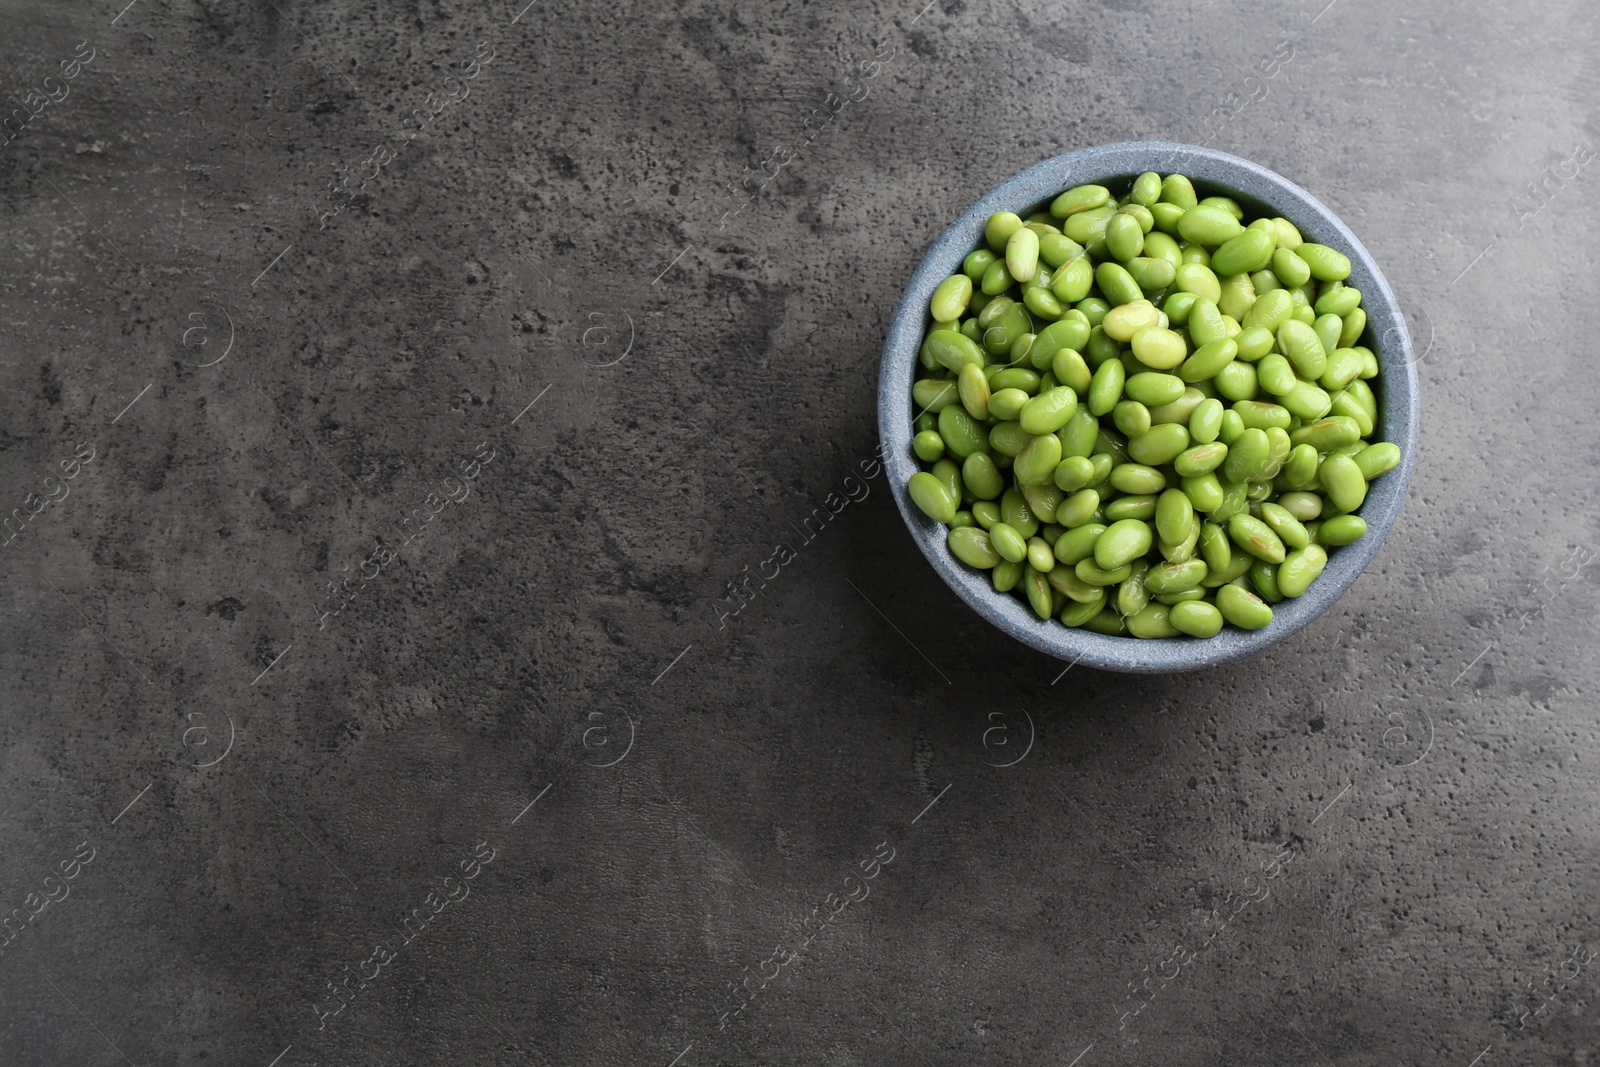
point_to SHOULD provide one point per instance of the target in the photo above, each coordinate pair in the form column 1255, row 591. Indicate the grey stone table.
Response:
column 393, row 392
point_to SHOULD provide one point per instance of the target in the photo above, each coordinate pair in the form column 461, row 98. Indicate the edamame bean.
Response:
column 1152, row 623
column 1079, row 435
column 1205, row 422
column 1022, row 254
column 1000, row 227
column 1300, row 568
column 974, row 390
column 1141, row 506
column 1077, row 544
column 1036, row 463
column 1307, row 401
column 1131, row 417
column 1121, row 323
column 1149, row 274
column 1375, row 459
column 1328, row 328
column 1118, row 285
column 1161, row 444
column 1006, row 541
column 1073, row 473
column 1301, row 466
column 1123, row 542
column 1355, row 324
column 1241, row 254
column 1078, row 508
column 1049, row 411
column 1246, row 456
column 996, row 279
column 1204, row 491
column 1238, row 295
column 1325, row 264
column 1195, row 617
column 953, row 350
column 1201, row 459
column 962, row 436
column 1179, row 410
column 1255, row 537
column 1289, row 267
column 928, row 446
column 950, row 299
column 1303, row 348
column 1079, row 198
column 1137, row 478
column 1270, row 311
column 1106, row 389
column 1071, row 371
column 1208, row 225
column 1236, row 381
column 1327, row 434
column 1175, row 577
column 977, row 261
column 1037, row 589
column 1124, row 237
column 1040, row 555
column 1341, row 530
column 1254, row 341
column 1242, row 608
column 1006, row 404
column 981, row 477
column 1343, row 482
column 934, row 395
column 1174, row 512
column 1208, row 360
column 932, row 496
column 972, row 546
column 1150, row 388
column 1076, row 614
column 1285, row 525
column 985, row 513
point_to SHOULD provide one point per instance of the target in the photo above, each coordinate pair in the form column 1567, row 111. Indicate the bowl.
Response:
column 1260, row 191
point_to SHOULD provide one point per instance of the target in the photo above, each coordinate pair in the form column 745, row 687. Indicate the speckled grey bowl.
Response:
column 1214, row 173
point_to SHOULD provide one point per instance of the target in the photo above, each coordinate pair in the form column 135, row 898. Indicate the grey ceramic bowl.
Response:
column 1214, row 173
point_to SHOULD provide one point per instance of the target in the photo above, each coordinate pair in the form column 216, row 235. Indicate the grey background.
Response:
column 1404, row 793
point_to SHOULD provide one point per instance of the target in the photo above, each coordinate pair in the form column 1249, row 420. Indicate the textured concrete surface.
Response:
column 266, row 314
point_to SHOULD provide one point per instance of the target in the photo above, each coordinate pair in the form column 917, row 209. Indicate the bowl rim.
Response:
column 1219, row 173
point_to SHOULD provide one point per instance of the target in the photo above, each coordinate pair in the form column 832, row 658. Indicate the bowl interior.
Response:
column 1259, row 191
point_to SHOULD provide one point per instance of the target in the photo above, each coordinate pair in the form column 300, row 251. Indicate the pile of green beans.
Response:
column 1144, row 415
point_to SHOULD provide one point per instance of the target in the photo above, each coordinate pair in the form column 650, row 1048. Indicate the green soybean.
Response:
column 1123, row 542
column 1205, row 422
column 1151, row 388
column 962, row 435
column 1341, row 530
column 1079, row 198
column 1201, row 459
column 1243, row 253
column 1036, row 463
column 950, row 299
column 1140, row 506
column 1342, row 479
column 1242, row 608
column 1195, row 617
column 932, row 496
column 1136, row 478
column 1152, row 623
column 1118, row 285
column 1106, row 389
column 1300, row 568
column 1326, row 264
column 1208, row 359
column 1022, row 254
column 1161, row 444
column 1376, row 459
column 981, row 477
